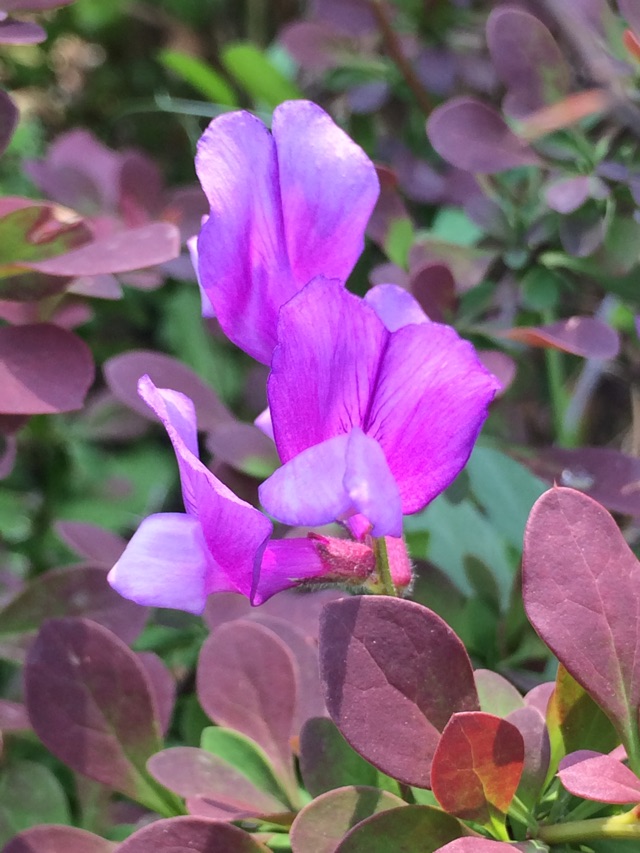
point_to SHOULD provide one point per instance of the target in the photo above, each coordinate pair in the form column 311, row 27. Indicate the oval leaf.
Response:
column 43, row 369
column 29, row 794
column 594, row 776
column 328, row 762
column 90, row 702
column 58, row 839
column 477, row 767
column 322, row 824
column 92, row 542
column 581, row 590
column 412, row 828
column 537, row 753
column 8, row 119
column 585, row 336
column 195, row 834
column 403, row 660
column 497, row 695
column 473, row 136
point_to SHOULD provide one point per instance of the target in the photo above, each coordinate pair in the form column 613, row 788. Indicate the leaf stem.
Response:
column 383, row 568
column 622, row 826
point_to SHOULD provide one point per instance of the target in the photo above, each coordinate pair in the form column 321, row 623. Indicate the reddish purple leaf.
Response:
column 73, row 591
column 314, row 46
column 630, row 10
column 91, row 704
column 585, row 336
column 583, row 232
column 538, row 697
column 473, row 136
column 91, row 542
column 527, row 60
column 8, row 119
column 131, row 249
column 20, row 32
column 322, row 824
column 468, row 264
column 123, row 372
column 594, row 776
column 193, row 772
column 247, row 681
column 58, row 839
column 568, row 194
column 193, row 834
column 477, row 766
column 481, row 845
column 244, row 447
column 411, row 828
column 501, row 365
column 497, row 695
column 32, row 5
column 403, row 660
column 581, row 590
column 434, row 287
column 43, row 369
column 609, row 476
column 163, row 686
column 537, row 752
column 13, row 717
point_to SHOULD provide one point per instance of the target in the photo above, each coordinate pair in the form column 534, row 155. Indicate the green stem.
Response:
column 383, row 568
column 622, row 826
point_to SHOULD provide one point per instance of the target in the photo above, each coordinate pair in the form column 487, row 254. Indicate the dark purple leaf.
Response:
column 322, row 824
column 581, row 590
column 193, row 772
column 91, row 542
column 477, row 767
column 411, row 828
column 131, row 249
column 497, row 695
column 73, row 591
column 568, row 194
column 13, row 717
column 327, row 761
column 473, row 136
column 91, row 704
column 8, row 454
column 244, row 447
column 610, row 477
column 32, row 5
column 123, row 372
column 43, row 369
column 20, row 32
column 501, row 365
column 468, row 264
column 247, row 681
column 403, row 660
column 314, row 46
column 434, row 286
column 58, row 839
column 583, row 231
column 141, row 189
column 349, row 17
column 594, row 776
column 8, row 119
column 163, row 686
column 585, row 336
column 193, row 834
column 537, row 752
column 527, row 59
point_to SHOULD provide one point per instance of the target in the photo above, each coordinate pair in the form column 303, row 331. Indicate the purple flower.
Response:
column 374, row 414
column 286, row 206
column 221, row 543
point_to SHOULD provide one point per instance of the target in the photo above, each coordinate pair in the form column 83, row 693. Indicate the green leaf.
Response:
column 256, row 74
column 245, row 755
column 454, row 226
column 398, row 241
column 29, row 795
column 199, row 75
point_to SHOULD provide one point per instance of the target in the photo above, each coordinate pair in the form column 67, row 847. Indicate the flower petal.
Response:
column 344, row 475
column 235, row 532
column 431, row 401
column 167, row 564
column 285, row 564
column 325, row 366
column 242, row 257
column 328, row 187
column 395, row 306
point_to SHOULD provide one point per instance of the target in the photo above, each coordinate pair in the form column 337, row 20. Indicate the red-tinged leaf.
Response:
column 58, row 839
column 581, row 590
column 537, row 753
column 13, row 717
column 43, row 370
column 434, row 287
column 632, row 43
column 594, row 776
column 565, row 113
column 8, row 119
column 32, row 231
column 328, row 762
column 502, row 366
column 90, row 702
column 497, row 695
column 630, row 10
column 483, row 845
column 73, row 591
column 527, row 59
column 91, row 542
column 403, row 660
column 123, row 372
column 585, row 336
column 193, row 772
column 575, row 722
column 193, row 834
column 473, row 136
column 244, row 447
column 247, row 681
column 132, row 249
column 163, row 686
column 538, row 697
column 411, row 829
column 477, row 767
column 322, row 824
column 607, row 475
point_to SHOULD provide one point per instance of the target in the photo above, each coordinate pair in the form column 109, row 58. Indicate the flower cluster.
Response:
column 374, row 408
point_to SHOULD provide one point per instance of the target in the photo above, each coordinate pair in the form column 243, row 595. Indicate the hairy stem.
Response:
column 383, row 568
